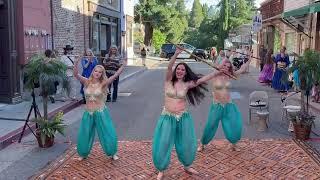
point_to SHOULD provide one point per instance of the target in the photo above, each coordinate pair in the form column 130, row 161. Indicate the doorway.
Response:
column 105, row 36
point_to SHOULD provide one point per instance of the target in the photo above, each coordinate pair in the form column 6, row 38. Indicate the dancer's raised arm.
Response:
column 171, row 63
column 203, row 79
column 76, row 74
column 118, row 72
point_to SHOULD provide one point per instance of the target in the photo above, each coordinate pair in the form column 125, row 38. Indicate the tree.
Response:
column 224, row 22
column 205, row 10
column 196, row 14
column 166, row 16
column 241, row 13
column 158, row 39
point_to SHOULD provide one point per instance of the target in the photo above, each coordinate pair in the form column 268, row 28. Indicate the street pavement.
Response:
column 135, row 115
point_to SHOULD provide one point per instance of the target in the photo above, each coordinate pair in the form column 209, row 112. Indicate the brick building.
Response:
column 302, row 25
column 272, row 24
column 85, row 24
column 25, row 29
column 294, row 24
column 29, row 27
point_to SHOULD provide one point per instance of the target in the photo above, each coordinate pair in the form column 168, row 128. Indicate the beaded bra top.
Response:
column 171, row 92
column 219, row 85
column 94, row 92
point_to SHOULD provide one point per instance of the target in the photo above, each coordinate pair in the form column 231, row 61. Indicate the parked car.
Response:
column 201, row 53
column 168, row 49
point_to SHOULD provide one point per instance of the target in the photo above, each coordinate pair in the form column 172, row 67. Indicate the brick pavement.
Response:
column 257, row 159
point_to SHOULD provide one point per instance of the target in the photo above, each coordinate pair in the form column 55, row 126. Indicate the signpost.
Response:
column 256, row 23
column 256, row 26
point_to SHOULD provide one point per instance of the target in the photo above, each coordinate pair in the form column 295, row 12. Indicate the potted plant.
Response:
column 47, row 129
column 307, row 67
column 43, row 72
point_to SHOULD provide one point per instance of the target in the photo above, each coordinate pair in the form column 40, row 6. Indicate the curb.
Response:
column 14, row 135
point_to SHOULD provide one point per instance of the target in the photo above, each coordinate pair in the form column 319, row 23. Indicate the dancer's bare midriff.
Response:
column 93, row 105
column 175, row 106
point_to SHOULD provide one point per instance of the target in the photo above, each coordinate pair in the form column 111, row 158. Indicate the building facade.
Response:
column 127, row 15
column 24, row 30
column 271, row 34
column 85, row 24
column 302, row 25
column 30, row 27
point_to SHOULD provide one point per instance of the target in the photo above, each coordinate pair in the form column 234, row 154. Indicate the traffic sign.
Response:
column 257, row 23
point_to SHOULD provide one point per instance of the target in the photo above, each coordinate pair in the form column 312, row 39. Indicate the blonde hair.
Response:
column 88, row 50
column 101, row 79
column 103, row 76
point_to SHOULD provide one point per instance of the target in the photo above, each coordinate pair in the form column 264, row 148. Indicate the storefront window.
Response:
column 114, row 35
column 95, row 35
column 104, row 33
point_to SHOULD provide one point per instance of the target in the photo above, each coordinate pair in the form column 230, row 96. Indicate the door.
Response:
column 105, row 38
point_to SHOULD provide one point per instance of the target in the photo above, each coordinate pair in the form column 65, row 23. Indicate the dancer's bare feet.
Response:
column 200, row 148
column 190, row 170
column 81, row 159
column 160, row 176
column 115, row 157
column 234, row 147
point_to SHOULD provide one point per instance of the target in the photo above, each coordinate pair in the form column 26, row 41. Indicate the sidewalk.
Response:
column 12, row 117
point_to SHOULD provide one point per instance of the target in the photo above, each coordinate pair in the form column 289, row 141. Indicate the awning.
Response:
column 312, row 8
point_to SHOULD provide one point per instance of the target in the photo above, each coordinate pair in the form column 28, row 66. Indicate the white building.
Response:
column 127, row 15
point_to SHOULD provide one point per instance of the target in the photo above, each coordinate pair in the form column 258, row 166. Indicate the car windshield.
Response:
column 167, row 46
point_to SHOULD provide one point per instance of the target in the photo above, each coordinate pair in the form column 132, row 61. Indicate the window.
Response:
column 95, row 34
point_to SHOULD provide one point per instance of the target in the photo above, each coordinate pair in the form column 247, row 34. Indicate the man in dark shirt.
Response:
column 112, row 63
column 262, row 54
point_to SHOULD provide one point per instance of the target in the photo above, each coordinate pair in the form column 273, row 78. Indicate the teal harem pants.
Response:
column 101, row 121
column 172, row 130
column 231, row 121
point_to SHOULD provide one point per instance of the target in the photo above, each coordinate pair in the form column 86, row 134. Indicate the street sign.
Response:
column 257, row 23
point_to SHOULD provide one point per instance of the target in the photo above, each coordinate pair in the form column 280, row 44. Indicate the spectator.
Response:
column 267, row 71
column 112, row 63
column 213, row 54
column 88, row 62
column 262, row 54
column 143, row 54
column 68, row 60
column 282, row 62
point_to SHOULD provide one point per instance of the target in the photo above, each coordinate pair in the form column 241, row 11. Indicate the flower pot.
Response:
column 48, row 142
column 301, row 131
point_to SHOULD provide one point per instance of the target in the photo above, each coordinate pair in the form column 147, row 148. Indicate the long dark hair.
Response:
column 196, row 94
column 269, row 58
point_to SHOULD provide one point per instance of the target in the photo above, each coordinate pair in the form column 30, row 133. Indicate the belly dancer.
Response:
column 96, row 116
column 223, row 108
column 175, row 126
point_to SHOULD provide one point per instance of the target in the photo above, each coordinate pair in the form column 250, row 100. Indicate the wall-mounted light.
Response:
column 44, row 33
column 28, row 32
column 34, row 32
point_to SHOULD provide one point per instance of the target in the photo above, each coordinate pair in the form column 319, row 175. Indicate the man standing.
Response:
column 262, row 54
column 68, row 60
column 112, row 63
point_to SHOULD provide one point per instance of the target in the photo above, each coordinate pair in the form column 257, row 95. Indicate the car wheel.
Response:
column 169, row 56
